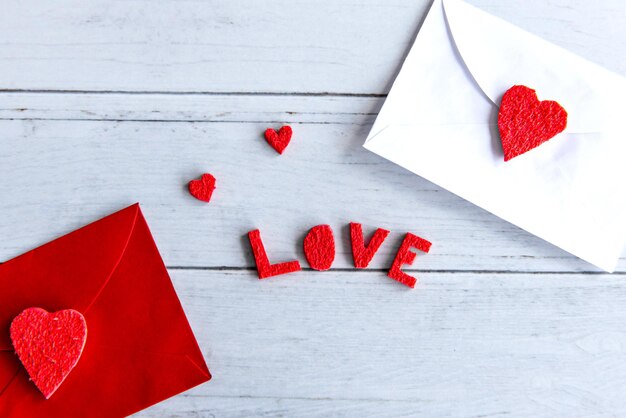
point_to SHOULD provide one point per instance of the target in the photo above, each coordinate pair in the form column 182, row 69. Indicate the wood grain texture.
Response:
column 359, row 344
column 256, row 46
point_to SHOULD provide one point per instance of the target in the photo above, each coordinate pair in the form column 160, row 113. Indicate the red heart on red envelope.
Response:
column 279, row 140
column 202, row 189
column 49, row 345
column 525, row 122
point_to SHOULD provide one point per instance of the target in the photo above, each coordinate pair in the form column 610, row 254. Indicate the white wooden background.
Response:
column 111, row 102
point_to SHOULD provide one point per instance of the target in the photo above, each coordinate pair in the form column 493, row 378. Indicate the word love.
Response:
column 319, row 250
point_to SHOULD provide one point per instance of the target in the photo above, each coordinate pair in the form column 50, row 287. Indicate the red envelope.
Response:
column 140, row 348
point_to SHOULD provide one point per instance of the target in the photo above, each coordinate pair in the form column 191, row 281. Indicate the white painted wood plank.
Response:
column 458, row 345
column 58, row 175
column 230, row 407
column 252, row 46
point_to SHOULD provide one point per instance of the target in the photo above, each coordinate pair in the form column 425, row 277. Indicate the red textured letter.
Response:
column 319, row 247
column 361, row 254
column 406, row 256
column 263, row 266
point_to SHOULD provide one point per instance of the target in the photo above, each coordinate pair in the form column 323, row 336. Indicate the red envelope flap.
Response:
column 140, row 348
column 67, row 273
column 139, row 307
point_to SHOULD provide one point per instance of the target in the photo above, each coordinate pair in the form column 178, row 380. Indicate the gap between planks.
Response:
column 189, row 107
column 409, row 270
column 195, row 93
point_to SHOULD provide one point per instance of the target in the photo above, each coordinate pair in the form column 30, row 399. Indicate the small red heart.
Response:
column 279, row 140
column 525, row 122
column 49, row 345
column 202, row 189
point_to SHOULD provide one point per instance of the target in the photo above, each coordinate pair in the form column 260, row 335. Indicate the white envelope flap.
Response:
column 500, row 55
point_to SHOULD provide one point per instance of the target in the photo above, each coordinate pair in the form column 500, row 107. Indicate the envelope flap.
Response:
column 500, row 55
column 140, row 293
column 68, row 272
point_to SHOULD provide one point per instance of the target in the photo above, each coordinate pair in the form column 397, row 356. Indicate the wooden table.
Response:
column 107, row 103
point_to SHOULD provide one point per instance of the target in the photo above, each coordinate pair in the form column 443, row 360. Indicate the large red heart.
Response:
column 279, row 140
column 49, row 345
column 525, row 122
column 202, row 189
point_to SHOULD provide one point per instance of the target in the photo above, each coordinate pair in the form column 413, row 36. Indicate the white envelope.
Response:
column 440, row 122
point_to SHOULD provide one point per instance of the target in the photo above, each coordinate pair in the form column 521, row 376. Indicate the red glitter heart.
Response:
column 525, row 122
column 49, row 345
column 279, row 140
column 202, row 189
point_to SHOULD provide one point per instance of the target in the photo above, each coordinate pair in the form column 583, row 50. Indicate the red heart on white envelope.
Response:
column 49, row 345
column 525, row 122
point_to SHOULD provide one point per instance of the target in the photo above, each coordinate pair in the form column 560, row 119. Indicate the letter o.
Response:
column 319, row 247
